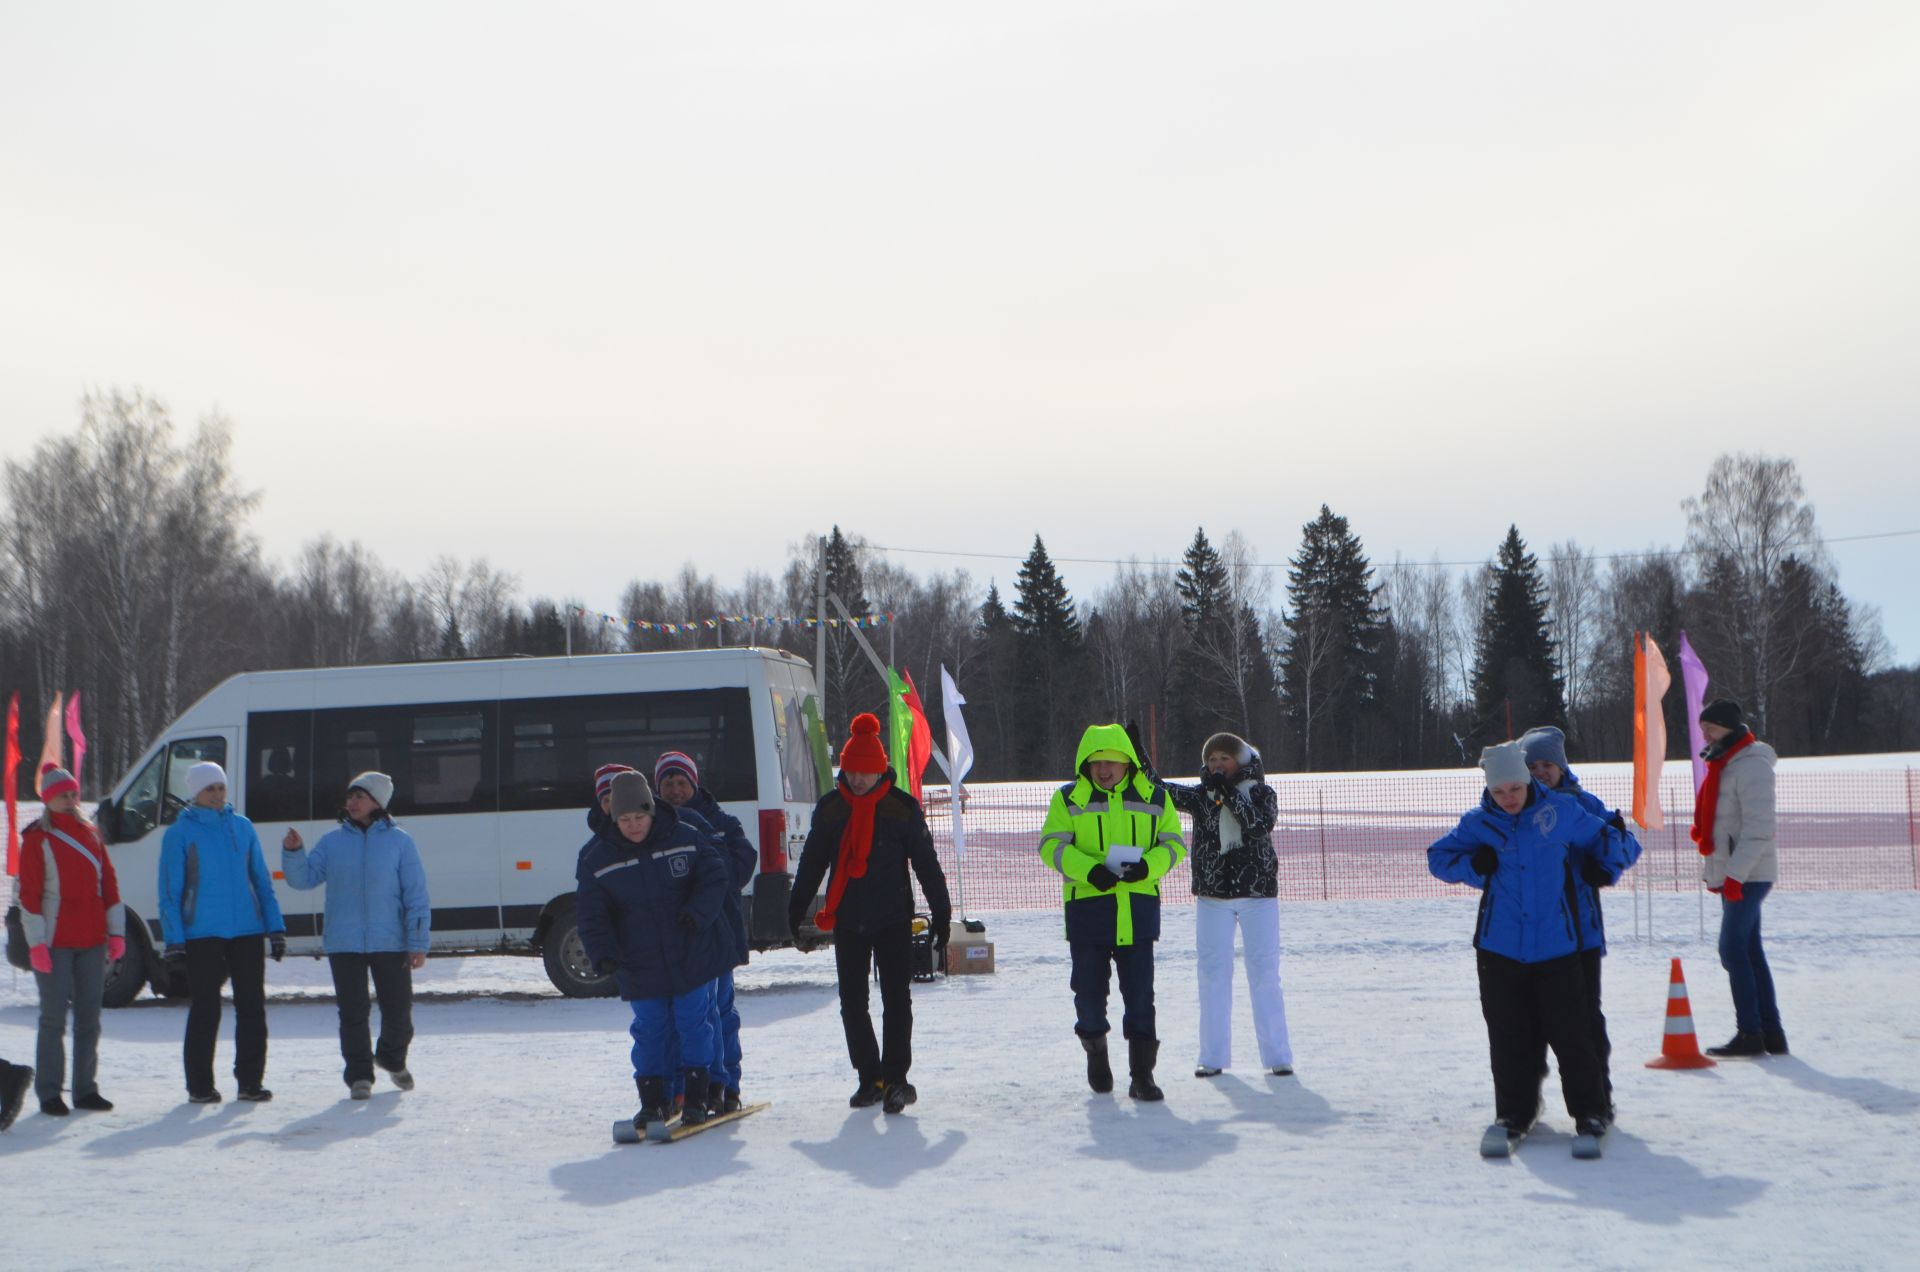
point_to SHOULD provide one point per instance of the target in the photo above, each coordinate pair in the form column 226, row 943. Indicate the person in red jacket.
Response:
column 70, row 907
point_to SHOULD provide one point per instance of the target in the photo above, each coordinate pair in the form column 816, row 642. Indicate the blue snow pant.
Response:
column 725, row 1067
column 656, row 1019
column 1135, row 965
column 1754, row 1008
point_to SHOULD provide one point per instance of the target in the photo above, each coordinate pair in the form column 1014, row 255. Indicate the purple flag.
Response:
column 1693, row 674
column 78, row 738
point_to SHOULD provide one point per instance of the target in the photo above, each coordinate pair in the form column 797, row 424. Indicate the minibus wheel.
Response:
column 566, row 958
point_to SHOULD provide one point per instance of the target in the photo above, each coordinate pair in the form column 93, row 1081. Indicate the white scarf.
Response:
column 1230, row 829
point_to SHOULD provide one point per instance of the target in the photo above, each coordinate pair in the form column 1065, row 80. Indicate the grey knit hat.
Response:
column 1504, row 763
column 1545, row 743
column 631, row 794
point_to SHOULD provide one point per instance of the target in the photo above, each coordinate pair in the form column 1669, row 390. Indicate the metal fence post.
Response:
column 1320, row 798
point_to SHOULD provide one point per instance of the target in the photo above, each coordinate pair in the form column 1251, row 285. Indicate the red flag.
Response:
column 10, row 773
column 73, row 731
column 1651, row 679
column 920, row 750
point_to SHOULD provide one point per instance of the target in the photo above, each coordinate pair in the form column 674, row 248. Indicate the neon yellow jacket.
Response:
column 1085, row 821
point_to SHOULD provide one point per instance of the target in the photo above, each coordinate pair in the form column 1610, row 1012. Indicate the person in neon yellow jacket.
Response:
column 1112, row 834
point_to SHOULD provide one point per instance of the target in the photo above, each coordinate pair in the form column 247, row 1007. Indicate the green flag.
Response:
column 899, row 728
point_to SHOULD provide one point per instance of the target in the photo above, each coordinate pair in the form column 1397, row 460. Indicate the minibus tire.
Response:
column 128, row 977
column 566, row 960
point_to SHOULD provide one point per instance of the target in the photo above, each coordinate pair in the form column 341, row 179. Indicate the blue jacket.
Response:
column 741, row 857
column 1593, row 932
column 376, row 888
column 630, row 900
column 213, row 878
column 1529, row 911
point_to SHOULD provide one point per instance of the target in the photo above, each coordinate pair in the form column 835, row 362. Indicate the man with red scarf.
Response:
column 869, row 831
column 1733, row 827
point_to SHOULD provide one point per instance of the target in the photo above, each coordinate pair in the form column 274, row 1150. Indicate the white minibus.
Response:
column 492, row 763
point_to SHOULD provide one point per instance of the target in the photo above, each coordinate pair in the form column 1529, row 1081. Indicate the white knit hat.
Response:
column 378, row 786
column 202, row 775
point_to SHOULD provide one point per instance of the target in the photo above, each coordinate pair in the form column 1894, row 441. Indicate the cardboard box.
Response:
column 971, row 957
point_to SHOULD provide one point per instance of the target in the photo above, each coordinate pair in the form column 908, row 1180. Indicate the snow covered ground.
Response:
column 501, row 1158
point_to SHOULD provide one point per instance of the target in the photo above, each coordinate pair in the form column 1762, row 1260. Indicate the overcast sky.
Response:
column 596, row 289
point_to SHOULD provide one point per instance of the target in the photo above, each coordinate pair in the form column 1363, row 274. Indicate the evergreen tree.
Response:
column 1516, row 685
column 1047, row 671
column 1201, row 581
column 1202, row 691
column 991, row 696
column 852, row 684
column 1330, row 666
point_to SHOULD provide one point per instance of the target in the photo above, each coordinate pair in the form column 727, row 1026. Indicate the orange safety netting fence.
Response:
column 1347, row 836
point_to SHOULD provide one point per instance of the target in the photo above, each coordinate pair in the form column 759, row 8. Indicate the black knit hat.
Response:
column 1724, row 712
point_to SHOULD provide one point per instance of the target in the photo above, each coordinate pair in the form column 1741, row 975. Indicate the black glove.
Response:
column 1618, row 822
column 1213, row 781
column 688, row 923
column 1485, row 860
column 1103, row 878
column 1596, row 875
column 277, row 945
column 1134, row 872
column 940, row 931
column 176, row 958
column 1140, row 749
column 606, row 967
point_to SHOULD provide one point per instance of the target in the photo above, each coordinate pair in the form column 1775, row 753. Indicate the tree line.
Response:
column 129, row 571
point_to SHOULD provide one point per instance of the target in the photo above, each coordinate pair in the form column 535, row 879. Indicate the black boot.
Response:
column 694, row 1111
column 1141, row 1055
column 716, row 1096
column 1099, row 1072
column 15, row 1081
column 654, row 1106
column 1776, row 1041
column 1742, row 1045
column 867, row 1094
column 897, row 1097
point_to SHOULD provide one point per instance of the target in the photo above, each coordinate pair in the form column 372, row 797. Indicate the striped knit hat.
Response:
column 675, row 762
column 55, row 780
column 604, row 775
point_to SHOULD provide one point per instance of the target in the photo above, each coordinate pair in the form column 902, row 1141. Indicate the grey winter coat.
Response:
column 1743, row 820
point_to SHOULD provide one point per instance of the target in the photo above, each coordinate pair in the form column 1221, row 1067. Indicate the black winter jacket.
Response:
column 1252, row 869
column 881, row 898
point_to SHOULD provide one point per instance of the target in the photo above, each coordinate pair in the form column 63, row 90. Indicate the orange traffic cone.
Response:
column 1680, row 1049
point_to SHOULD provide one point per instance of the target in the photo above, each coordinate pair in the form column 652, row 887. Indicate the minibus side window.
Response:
column 156, row 797
column 439, row 755
column 280, row 766
column 551, row 746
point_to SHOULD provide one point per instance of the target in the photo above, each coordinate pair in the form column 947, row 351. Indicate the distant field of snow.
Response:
column 501, row 1158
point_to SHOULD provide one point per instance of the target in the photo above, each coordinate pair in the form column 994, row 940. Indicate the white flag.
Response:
column 959, row 754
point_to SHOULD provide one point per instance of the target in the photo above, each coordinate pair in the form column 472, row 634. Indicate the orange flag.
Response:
column 53, row 747
column 1651, row 680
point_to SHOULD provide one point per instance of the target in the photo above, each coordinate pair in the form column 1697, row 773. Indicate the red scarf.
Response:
column 856, row 841
column 1707, row 802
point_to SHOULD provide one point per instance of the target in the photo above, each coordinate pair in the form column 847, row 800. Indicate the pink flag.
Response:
column 1651, row 680
column 10, row 773
column 73, row 731
column 53, row 747
column 1693, row 676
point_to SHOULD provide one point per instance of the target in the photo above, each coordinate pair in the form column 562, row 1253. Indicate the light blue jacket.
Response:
column 1529, row 909
column 376, row 888
column 213, row 878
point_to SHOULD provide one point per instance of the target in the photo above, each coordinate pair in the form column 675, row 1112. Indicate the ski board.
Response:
column 625, row 1132
column 1497, row 1143
column 1587, row 1147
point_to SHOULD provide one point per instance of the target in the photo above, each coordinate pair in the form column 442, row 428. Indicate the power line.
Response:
column 1650, row 554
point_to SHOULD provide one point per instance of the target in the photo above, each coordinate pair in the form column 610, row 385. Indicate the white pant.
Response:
column 1259, row 920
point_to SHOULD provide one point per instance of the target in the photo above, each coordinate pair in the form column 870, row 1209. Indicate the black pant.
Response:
column 1596, row 1026
column 854, row 953
column 393, row 987
column 211, row 962
column 1524, row 1002
column 1090, row 983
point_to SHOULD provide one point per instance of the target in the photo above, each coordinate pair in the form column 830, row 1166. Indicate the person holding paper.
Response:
column 1112, row 834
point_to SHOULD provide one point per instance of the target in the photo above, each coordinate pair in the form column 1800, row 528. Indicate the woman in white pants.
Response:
column 1235, row 883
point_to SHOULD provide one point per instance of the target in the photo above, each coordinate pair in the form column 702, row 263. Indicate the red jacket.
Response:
column 69, row 897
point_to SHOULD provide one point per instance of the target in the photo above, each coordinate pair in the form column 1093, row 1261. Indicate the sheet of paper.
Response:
column 1122, row 855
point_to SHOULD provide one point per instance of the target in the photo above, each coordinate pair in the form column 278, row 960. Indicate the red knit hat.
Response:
column 863, row 752
column 604, row 775
column 55, row 780
column 676, row 762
